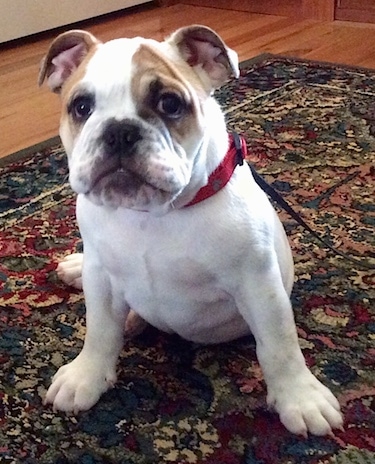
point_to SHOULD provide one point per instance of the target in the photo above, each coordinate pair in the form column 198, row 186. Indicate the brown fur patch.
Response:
column 151, row 67
column 68, row 90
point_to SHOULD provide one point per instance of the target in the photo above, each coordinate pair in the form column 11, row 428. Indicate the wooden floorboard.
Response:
column 29, row 115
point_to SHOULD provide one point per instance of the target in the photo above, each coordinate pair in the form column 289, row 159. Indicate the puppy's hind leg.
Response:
column 134, row 325
column 69, row 270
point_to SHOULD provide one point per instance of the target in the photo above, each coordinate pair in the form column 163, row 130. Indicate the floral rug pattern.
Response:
column 310, row 129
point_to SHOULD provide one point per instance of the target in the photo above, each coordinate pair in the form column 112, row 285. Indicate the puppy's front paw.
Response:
column 306, row 406
column 70, row 270
column 77, row 386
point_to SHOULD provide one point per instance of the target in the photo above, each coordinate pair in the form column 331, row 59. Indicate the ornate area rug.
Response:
column 310, row 128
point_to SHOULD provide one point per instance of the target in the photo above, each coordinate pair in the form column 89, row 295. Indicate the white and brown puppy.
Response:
column 143, row 135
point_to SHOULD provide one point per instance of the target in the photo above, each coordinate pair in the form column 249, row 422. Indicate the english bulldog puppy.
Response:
column 174, row 226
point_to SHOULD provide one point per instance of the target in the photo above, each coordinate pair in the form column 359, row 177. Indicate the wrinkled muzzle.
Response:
column 127, row 162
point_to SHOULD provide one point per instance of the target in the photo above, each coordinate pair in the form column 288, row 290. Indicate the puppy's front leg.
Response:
column 79, row 384
column 303, row 403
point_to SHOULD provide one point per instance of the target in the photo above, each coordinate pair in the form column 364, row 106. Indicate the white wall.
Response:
column 19, row 18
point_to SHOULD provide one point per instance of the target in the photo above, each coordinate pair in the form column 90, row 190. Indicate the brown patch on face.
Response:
column 67, row 93
column 154, row 77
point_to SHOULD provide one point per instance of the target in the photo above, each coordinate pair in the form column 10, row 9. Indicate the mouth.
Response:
column 121, row 187
column 123, row 180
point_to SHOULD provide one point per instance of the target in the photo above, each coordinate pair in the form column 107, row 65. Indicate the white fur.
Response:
column 210, row 273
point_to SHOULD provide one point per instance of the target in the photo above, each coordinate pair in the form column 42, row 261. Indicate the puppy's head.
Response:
column 134, row 111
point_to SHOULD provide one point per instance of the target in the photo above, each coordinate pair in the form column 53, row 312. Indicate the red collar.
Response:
column 221, row 175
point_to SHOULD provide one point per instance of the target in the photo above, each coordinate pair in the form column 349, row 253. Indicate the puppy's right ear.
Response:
column 64, row 56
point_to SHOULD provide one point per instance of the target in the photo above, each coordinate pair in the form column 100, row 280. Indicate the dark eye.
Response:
column 82, row 107
column 171, row 105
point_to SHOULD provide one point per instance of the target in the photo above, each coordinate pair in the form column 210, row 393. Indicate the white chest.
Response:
column 172, row 278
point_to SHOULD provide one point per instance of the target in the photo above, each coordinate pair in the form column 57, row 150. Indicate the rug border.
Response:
column 297, row 59
column 28, row 151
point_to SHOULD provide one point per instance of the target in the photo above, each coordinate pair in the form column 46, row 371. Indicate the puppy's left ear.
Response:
column 206, row 52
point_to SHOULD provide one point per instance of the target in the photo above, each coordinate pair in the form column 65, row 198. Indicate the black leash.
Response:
column 272, row 193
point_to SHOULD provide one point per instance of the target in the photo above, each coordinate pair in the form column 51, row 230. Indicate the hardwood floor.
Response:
column 29, row 115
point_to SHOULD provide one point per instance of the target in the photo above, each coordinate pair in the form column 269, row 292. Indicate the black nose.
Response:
column 120, row 136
